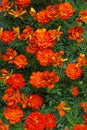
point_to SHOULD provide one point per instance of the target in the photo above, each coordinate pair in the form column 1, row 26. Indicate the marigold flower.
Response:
column 80, row 127
column 13, row 114
column 27, row 33
column 84, row 106
column 43, row 17
column 53, row 11
column 17, row 13
column 75, row 91
column 5, row 6
column 20, row 61
column 23, row 3
column 73, row 71
column 32, row 49
column 16, row 81
column 33, row 13
column 10, row 55
column 23, row 100
column 5, row 75
column 11, row 96
column 50, row 121
column 35, row 121
column 42, row 39
column 7, row 36
column 35, row 101
column 66, row 10
column 83, row 16
column 3, row 126
column 75, row 33
column 43, row 79
column 81, row 60
column 61, row 108
column 45, row 56
column 55, row 34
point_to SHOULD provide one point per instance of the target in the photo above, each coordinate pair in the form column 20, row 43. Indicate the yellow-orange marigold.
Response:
column 73, row 71
column 13, row 114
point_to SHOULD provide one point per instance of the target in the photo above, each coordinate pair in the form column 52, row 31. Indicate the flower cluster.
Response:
column 43, row 65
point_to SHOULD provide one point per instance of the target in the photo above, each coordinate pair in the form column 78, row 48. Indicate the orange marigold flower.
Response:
column 20, row 61
column 13, row 114
column 32, row 49
column 50, row 121
column 35, row 101
column 10, row 55
column 53, row 11
column 66, row 10
column 27, row 33
column 3, row 126
column 33, row 13
column 45, row 56
column 5, row 5
column 83, row 16
column 7, row 36
column 23, row 3
column 82, row 61
column 61, row 108
column 42, row 39
column 55, row 34
column 75, row 33
column 16, row 81
column 35, row 121
column 57, row 59
column 73, row 71
column 84, row 106
column 43, row 17
column 11, row 96
column 75, row 91
column 5, row 75
column 80, row 127
column 43, row 79
column 23, row 100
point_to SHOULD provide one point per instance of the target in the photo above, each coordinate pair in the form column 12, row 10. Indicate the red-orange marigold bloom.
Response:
column 45, row 56
column 75, row 33
column 20, row 61
column 3, row 126
column 35, row 101
column 50, row 121
column 85, row 118
column 11, row 96
column 7, row 36
column 83, row 16
column 75, row 91
column 10, row 55
column 42, row 39
column 73, row 71
column 43, row 79
column 23, row 3
column 16, row 81
column 80, row 127
column 53, row 11
column 66, row 10
column 27, row 33
column 43, row 17
column 35, row 121
column 13, row 114
column 6, row 5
